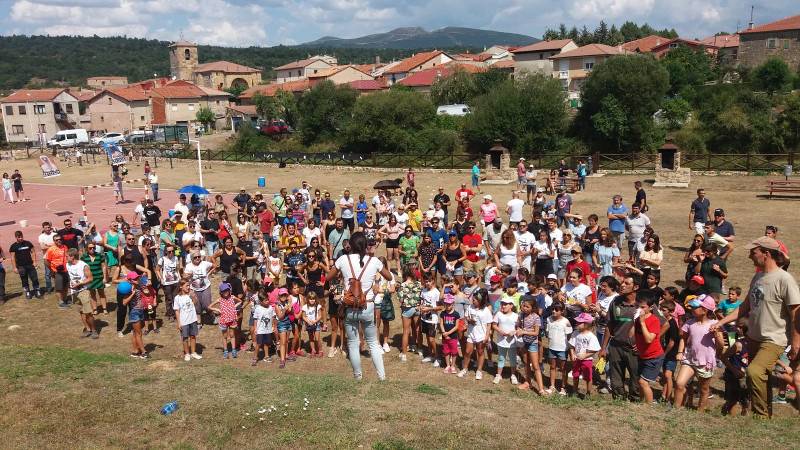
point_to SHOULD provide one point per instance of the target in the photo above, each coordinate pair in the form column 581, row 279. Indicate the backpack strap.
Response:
column 350, row 263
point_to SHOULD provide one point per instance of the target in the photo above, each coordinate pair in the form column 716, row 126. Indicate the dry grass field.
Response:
column 60, row 391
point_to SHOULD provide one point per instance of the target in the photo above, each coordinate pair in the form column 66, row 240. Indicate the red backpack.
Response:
column 354, row 296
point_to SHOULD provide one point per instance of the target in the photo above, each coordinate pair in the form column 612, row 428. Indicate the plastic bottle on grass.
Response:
column 169, row 408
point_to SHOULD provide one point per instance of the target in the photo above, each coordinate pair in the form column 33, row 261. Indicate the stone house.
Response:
column 224, row 74
column 300, row 70
column 106, row 82
column 413, row 64
column 339, row 75
column 37, row 114
column 535, row 58
column 122, row 110
column 572, row 67
column 177, row 104
column 780, row 38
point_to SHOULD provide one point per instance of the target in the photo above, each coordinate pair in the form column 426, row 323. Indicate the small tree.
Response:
column 235, row 90
column 772, row 76
column 675, row 111
column 205, row 116
column 324, row 110
column 612, row 121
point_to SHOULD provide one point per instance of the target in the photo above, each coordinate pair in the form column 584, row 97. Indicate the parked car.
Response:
column 69, row 138
column 140, row 137
column 453, row 110
column 115, row 138
column 275, row 127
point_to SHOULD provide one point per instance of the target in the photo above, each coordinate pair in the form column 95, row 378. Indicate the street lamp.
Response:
column 199, row 162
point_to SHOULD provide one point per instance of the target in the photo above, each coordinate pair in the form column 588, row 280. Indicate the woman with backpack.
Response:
column 359, row 272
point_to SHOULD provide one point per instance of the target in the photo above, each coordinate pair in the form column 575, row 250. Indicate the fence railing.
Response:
column 735, row 162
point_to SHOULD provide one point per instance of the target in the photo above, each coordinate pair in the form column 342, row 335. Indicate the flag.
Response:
column 48, row 166
column 117, row 156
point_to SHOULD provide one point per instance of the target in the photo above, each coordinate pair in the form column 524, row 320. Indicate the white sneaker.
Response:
column 426, row 359
column 333, row 351
column 497, row 379
column 569, row 375
column 514, row 379
column 462, row 373
column 403, row 357
column 186, row 357
column 419, row 352
column 386, row 348
column 119, row 334
column 479, row 375
column 196, row 356
column 436, row 363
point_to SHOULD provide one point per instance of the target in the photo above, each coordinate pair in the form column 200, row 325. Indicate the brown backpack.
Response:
column 354, row 296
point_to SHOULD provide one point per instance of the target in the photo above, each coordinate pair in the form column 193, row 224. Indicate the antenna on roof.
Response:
column 181, row 36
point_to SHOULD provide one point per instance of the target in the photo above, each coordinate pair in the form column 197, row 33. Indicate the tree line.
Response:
column 629, row 31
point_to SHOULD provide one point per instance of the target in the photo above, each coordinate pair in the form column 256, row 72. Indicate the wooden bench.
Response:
column 783, row 186
column 572, row 183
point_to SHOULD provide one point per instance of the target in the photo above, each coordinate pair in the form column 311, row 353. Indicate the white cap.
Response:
column 522, row 159
column 487, row 197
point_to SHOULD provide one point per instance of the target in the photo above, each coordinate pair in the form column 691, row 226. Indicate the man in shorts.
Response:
column 700, row 212
column 16, row 178
column 476, row 177
column 530, row 182
column 521, row 181
column 80, row 276
column 56, row 259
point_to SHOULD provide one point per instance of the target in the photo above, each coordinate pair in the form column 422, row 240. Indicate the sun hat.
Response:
column 584, row 318
column 704, row 300
column 507, row 300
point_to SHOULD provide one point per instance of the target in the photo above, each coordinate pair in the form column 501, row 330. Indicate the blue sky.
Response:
column 272, row 22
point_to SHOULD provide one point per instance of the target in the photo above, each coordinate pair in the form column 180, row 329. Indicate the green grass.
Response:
column 24, row 361
column 425, row 388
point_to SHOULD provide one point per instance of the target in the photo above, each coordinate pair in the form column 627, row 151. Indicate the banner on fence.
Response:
column 117, row 156
column 49, row 169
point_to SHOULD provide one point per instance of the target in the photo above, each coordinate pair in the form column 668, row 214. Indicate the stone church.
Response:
column 183, row 64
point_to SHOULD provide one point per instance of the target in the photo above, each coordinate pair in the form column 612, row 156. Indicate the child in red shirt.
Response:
column 149, row 306
column 645, row 329
column 410, row 177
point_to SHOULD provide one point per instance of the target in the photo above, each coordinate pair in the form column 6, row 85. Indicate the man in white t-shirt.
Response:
column 45, row 242
column 525, row 240
column 346, row 204
column 182, row 207
column 167, row 273
column 79, row 278
column 514, row 209
column 138, row 216
column 635, row 224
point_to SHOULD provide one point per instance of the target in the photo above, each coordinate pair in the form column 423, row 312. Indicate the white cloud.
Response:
column 380, row 15
column 609, row 9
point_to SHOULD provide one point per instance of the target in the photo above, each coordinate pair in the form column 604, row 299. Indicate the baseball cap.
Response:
column 224, row 287
column 487, row 197
column 530, row 165
column 132, row 275
column 268, row 280
column 471, row 273
column 704, row 300
column 498, row 220
column 719, row 212
column 283, row 291
column 698, row 279
column 552, row 276
column 149, row 200
column 763, row 242
column 242, row 188
column 494, row 279
column 507, row 300
column 453, row 233
column 522, row 159
column 539, row 190
column 584, row 318
column 449, row 298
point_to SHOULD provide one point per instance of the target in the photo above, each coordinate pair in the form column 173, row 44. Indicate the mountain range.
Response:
column 416, row 37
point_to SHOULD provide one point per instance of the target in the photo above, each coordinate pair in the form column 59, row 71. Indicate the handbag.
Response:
column 387, row 308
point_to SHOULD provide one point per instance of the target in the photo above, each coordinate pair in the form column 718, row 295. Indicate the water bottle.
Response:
column 169, row 408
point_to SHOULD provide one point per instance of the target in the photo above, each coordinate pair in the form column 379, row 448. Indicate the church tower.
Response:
column 182, row 60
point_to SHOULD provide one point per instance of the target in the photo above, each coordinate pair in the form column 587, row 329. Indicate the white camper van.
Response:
column 453, row 110
column 69, row 138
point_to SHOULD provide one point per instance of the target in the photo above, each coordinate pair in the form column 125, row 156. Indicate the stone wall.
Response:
column 753, row 48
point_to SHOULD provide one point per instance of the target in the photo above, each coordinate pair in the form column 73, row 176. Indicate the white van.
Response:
column 453, row 110
column 69, row 138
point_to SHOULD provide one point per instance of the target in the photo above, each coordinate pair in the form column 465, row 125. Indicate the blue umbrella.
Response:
column 193, row 189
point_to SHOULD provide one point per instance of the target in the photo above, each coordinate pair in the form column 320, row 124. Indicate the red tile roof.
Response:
column 413, row 62
column 128, row 94
column 268, row 90
column 225, row 66
column 788, row 23
column 297, row 64
column 33, row 95
column 244, row 109
column 644, row 44
column 689, row 42
column 368, row 68
column 367, row 85
column 507, row 64
column 591, row 50
column 333, row 71
column 86, row 95
column 429, row 76
column 722, row 41
column 543, row 46
column 178, row 92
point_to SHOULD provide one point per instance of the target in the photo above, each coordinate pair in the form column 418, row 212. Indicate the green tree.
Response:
column 611, row 121
column 250, row 140
column 528, row 114
column 630, row 31
column 205, row 116
column 286, row 107
column 639, row 84
column 265, row 106
column 772, row 76
column 324, row 110
column 235, row 90
column 687, row 67
column 392, row 121
column 789, row 122
column 675, row 111
column 458, row 87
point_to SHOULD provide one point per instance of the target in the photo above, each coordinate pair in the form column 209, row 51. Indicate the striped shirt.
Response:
column 96, row 268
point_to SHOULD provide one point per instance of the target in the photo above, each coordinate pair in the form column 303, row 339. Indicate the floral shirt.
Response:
column 409, row 294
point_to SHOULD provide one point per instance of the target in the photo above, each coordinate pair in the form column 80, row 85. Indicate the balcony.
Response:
column 60, row 116
column 563, row 75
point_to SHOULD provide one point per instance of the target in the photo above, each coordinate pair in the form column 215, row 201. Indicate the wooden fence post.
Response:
column 708, row 165
column 747, row 163
column 596, row 162
column 633, row 161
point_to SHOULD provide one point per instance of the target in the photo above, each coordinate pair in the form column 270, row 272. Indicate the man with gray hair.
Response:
column 617, row 213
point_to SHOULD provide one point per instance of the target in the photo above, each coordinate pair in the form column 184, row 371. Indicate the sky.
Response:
column 242, row 23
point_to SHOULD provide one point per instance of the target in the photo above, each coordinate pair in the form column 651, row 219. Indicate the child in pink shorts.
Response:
column 583, row 344
column 448, row 323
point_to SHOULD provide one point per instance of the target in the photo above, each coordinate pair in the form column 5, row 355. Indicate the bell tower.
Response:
column 182, row 60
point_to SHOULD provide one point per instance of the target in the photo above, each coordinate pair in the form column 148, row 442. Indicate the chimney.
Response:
column 750, row 25
column 549, row 39
column 378, row 60
column 619, row 48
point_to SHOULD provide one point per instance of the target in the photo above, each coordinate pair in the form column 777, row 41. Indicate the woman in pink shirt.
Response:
column 488, row 210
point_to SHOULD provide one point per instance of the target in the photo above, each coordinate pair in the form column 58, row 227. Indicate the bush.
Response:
column 248, row 139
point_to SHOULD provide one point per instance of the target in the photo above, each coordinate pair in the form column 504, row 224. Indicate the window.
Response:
column 69, row 108
column 102, row 83
column 39, row 109
column 315, row 71
column 191, row 107
column 786, row 44
column 109, row 100
column 299, row 74
column 22, row 110
column 674, row 45
column 9, row 110
column 17, row 129
column 772, row 43
column 174, row 106
column 141, row 118
column 541, row 55
column 187, row 54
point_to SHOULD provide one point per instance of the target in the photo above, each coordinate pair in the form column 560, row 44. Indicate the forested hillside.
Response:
column 73, row 59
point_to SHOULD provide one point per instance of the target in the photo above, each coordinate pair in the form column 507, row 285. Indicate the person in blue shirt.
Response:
column 361, row 210
column 476, row 177
column 439, row 237
column 617, row 213
column 582, row 175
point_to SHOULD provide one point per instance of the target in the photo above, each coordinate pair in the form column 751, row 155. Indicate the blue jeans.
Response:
column 155, row 191
column 47, row 280
column 582, row 182
column 366, row 318
column 211, row 248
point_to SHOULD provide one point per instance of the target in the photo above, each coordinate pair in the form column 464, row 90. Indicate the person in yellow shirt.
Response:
column 415, row 218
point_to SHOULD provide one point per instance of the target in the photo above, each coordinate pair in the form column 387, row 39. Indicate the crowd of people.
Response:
column 279, row 272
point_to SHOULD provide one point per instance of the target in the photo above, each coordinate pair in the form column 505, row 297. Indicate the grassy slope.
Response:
column 69, row 398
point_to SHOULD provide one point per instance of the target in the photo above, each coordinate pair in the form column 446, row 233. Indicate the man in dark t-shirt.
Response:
column 152, row 215
column 444, row 199
column 621, row 355
column 24, row 263
column 241, row 200
column 699, row 213
column 641, row 196
column 210, row 227
column 16, row 178
column 72, row 236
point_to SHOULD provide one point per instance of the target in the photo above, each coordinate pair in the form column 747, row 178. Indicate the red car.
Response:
column 275, row 127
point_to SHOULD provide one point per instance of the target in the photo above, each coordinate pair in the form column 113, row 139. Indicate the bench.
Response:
column 572, row 183
column 783, row 186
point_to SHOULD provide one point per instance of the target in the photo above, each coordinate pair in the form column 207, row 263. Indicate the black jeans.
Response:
column 621, row 359
column 2, row 283
column 349, row 223
column 169, row 296
column 122, row 312
column 28, row 272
